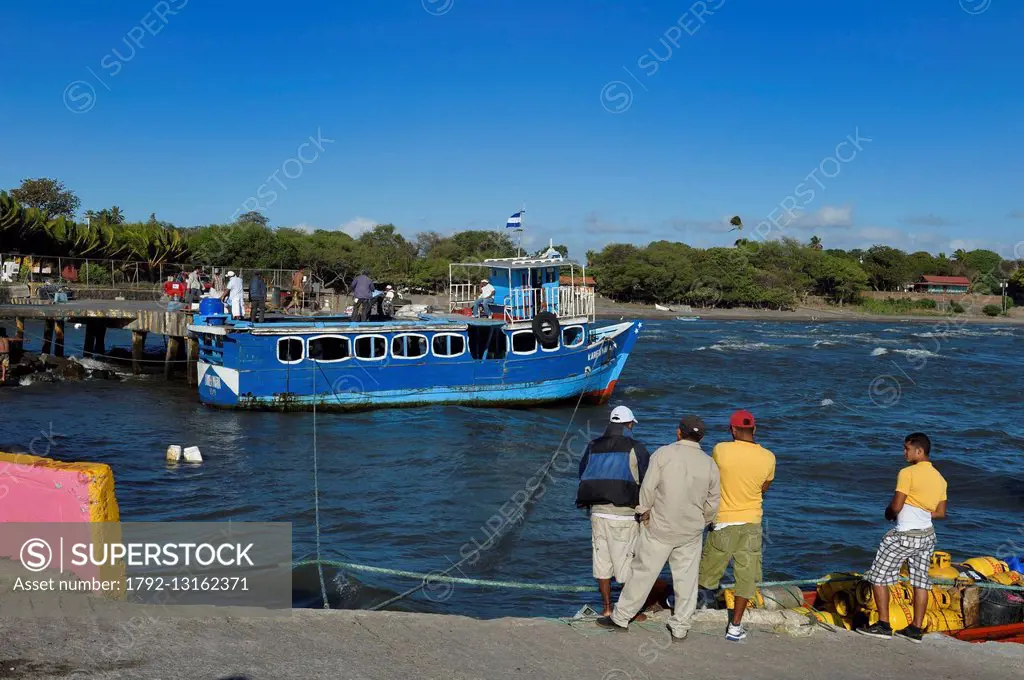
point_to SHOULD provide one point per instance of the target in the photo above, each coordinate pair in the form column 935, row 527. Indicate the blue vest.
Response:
column 605, row 477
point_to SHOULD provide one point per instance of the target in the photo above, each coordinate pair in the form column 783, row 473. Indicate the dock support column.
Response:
column 58, row 337
column 173, row 350
column 90, row 335
column 192, row 355
column 47, row 336
column 19, row 339
column 138, row 345
column 99, row 341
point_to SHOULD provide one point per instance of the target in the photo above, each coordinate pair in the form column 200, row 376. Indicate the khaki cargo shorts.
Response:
column 613, row 542
column 740, row 544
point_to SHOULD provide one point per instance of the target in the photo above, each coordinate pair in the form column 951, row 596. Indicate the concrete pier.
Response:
column 229, row 645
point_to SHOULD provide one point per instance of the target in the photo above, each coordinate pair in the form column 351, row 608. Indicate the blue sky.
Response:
column 613, row 120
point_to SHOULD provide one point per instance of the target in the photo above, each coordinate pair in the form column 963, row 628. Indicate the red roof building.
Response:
column 941, row 284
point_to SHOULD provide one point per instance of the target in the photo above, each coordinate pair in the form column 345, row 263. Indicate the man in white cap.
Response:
column 611, row 471
column 482, row 303
column 235, row 295
column 678, row 499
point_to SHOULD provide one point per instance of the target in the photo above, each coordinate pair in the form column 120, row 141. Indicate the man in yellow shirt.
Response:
column 920, row 497
column 746, row 470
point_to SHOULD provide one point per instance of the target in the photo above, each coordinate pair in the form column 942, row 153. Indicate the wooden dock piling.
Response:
column 47, row 337
column 58, row 337
column 192, row 355
column 138, row 347
column 173, row 350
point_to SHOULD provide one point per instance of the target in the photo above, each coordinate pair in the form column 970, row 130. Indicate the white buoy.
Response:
column 173, row 453
column 192, row 455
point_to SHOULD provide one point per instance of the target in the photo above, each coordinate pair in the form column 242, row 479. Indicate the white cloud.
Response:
column 357, row 225
column 827, row 217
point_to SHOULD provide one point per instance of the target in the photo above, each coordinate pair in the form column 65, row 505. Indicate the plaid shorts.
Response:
column 913, row 547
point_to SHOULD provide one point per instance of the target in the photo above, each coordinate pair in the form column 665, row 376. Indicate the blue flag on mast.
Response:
column 515, row 222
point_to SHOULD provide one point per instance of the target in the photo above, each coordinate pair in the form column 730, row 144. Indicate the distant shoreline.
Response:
column 609, row 309
column 613, row 310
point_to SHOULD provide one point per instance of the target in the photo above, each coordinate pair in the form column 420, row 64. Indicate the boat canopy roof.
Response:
column 521, row 262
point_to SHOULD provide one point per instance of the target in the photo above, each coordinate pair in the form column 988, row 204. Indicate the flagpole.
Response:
column 522, row 211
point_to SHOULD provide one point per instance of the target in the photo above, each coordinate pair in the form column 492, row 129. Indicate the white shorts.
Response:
column 613, row 542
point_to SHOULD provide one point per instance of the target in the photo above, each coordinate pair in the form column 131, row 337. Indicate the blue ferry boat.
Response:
column 539, row 344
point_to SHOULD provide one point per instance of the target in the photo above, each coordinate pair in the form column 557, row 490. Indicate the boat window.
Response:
column 449, row 345
column 409, row 346
column 289, row 350
column 524, row 342
column 329, row 348
column 371, row 347
column 572, row 336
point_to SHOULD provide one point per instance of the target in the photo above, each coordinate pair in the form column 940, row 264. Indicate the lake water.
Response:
column 413, row 489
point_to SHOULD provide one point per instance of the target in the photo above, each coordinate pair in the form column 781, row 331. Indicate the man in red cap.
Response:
column 747, row 470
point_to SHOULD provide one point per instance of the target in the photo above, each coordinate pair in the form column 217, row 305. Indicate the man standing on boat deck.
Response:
column 611, row 470
column 362, row 293
column 678, row 499
column 257, row 297
column 235, row 295
column 747, row 470
column 481, row 306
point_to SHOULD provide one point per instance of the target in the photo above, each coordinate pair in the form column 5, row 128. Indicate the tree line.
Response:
column 38, row 217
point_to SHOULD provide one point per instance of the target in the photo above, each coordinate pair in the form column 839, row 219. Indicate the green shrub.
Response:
column 925, row 304
column 956, row 307
column 992, row 310
column 94, row 273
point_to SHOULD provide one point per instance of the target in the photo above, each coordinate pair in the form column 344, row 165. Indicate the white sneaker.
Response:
column 735, row 633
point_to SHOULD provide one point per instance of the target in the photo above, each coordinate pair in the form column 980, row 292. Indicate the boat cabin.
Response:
column 523, row 288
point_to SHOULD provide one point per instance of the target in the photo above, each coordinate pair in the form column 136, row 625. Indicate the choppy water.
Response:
column 410, row 489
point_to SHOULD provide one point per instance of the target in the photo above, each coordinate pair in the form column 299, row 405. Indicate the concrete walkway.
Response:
column 147, row 643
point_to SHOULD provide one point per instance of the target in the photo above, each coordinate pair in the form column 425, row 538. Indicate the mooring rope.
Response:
column 576, row 588
column 316, row 503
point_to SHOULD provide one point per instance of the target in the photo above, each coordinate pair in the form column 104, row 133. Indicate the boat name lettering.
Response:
column 604, row 349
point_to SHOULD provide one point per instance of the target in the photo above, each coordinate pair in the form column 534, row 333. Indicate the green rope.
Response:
column 568, row 588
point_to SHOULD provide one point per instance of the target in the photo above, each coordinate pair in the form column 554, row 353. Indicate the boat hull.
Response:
column 548, row 376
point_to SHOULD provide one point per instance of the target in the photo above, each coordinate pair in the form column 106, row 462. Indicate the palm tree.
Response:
column 115, row 216
column 737, row 223
column 741, row 242
column 90, row 215
column 960, row 255
column 816, row 243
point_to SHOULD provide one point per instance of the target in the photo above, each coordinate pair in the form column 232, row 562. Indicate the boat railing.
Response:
column 461, row 295
column 523, row 304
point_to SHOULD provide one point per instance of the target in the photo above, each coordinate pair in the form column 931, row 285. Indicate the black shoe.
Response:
column 606, row 622
column 877, row 630
column 912, row 633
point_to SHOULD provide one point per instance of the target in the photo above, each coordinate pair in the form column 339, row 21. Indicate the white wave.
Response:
column 25, row 381
column 95, row 364
column 826, row 343
column 632, row 389
column 916, row 352
column 964, row 333
column 879, row 351
column 736, row 346
column 826, row 402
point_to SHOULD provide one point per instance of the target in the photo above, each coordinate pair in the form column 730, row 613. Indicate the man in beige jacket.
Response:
column 678, row 499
